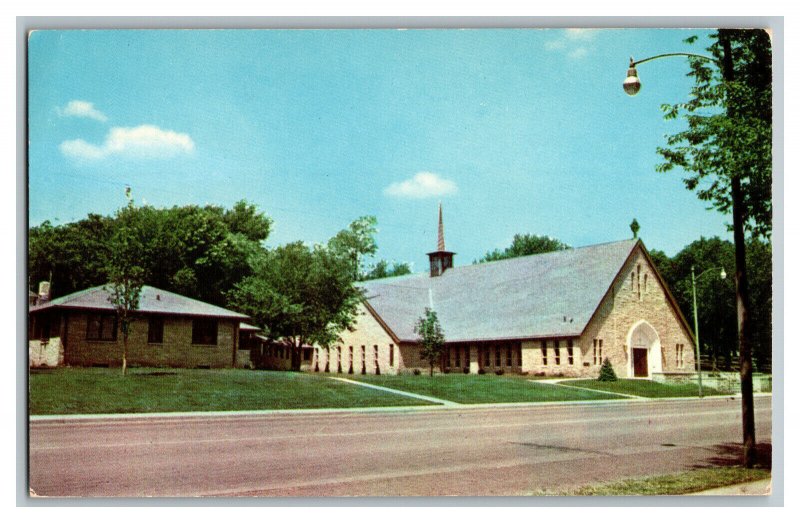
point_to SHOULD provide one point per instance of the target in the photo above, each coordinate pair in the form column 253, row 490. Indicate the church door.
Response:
column 640, row 363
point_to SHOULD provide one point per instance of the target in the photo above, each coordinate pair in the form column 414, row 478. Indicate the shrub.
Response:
column 446, row 370
column 540, row 373
column 466, row 370
column 499, row 372
column 417, row 372
column 607, row 372
column 481, row 371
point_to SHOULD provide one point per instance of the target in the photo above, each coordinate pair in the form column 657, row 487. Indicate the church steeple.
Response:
column 440, row 244
column 440, row 259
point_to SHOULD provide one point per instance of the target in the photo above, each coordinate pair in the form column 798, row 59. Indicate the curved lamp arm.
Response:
column 632, row 84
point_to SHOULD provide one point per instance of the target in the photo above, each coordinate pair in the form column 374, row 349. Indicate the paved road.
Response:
column 484, row 451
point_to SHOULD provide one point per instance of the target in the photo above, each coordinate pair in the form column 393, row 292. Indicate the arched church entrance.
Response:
column 644, row 350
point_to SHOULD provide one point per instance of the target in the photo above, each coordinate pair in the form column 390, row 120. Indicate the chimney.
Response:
column 440, row 259
column 44, row 292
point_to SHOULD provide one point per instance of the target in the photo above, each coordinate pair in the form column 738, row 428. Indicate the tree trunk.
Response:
column 124, row 353
column 742, row 291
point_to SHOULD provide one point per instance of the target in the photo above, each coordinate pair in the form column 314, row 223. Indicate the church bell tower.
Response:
column 440, row 259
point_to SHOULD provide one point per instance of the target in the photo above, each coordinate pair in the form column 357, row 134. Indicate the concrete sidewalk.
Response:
column 756, row 488
column 399, row 392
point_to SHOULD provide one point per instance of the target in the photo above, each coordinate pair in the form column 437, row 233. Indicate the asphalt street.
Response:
column 491, row 451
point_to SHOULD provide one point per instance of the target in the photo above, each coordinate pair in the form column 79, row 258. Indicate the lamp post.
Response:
column 722, row 275
column 632, row 85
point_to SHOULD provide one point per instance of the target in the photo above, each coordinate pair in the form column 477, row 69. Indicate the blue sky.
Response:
column 514, row 131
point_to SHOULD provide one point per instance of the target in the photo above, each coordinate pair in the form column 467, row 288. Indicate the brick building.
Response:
column 559, row 313
column 169, row 330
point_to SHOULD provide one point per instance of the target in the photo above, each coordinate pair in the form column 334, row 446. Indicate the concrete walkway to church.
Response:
column 560, row 382
column 400, row 392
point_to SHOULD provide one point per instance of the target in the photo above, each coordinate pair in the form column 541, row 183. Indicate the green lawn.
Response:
column 645, row 388
column 103, row 391
column 470, row 388
column 674, row 484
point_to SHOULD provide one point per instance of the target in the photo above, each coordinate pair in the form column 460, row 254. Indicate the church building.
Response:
column 559, row 314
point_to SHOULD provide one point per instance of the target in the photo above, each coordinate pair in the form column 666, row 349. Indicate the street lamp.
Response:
column 722, row 275
column 632, row 85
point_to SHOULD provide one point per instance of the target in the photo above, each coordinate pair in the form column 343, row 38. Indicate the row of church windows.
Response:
column 103, row 327
column 375, row 363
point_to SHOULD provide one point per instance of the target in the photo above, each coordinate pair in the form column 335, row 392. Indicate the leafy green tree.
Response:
column 125, row 273
column 299, row 294
column 74, row 255
column 728, row 147
column 524, row 245
column 356, row 242
column 196, row 251
column 729, row 129
column 431, row 337
column 383, row 270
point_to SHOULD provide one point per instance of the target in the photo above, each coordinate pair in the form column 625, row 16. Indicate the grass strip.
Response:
column 646, row 388
column 72, row 390
column 674, row 484
column 471, row 389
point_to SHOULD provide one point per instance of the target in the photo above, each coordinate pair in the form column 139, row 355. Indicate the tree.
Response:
column 730, row 151
column 607, row 372
column 524, row 245
column 382, row 270
column 356, row 242
column 729, row 131
column 125, row 274
column 299, row 294
column 197, row 251
column 431, row 337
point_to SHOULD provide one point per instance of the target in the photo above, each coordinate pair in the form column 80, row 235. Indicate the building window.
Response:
column 458, row 356
column 557, row 352
column 519, row 355
column 363, row 359
column 544, row 353
column 101, row 327
column 204, row 331
column 306, row 354
column 391, row 355
column 498, row 357
column 508, row 357
column 570, row 354
column 487, row 357
column 679, row 361
column 155, row 329
column 645, row 283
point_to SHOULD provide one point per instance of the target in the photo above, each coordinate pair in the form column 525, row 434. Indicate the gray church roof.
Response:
column 520, row 298
column 151, row 300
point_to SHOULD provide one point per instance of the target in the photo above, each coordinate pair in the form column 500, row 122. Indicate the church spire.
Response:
column 440, row 244
column 440, row 259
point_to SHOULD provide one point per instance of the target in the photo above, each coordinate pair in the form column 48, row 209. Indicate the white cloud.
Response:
column 422, row 185
column 571, row 42
column 144, row 141
column 82, row 109
column 580, row 34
